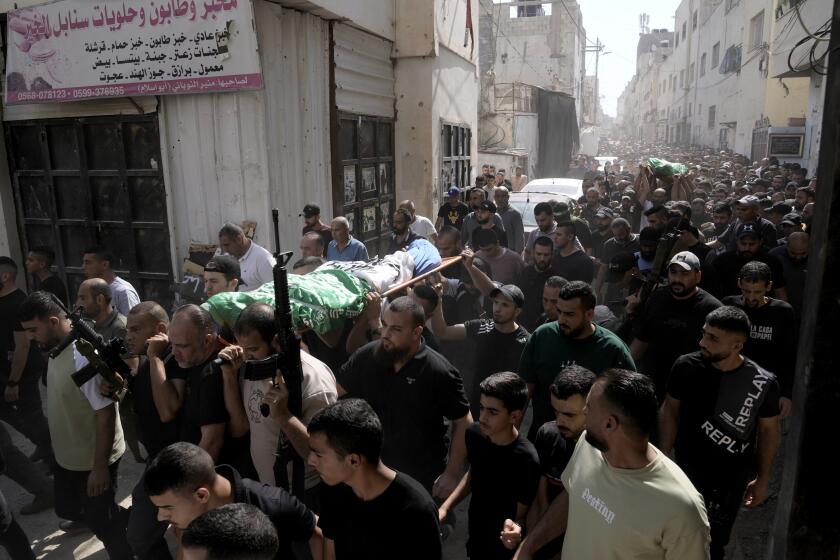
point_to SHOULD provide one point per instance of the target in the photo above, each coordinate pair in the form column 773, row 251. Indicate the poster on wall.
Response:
column 70, row 50
column 349, row 184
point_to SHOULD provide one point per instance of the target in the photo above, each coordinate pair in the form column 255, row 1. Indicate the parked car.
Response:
column 606, row 159
column 524, row 202
column 569, row 187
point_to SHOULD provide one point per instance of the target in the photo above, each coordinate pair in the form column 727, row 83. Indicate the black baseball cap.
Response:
column 511, row 292
column 781, row 208
column 747, row 229
column 792, row 219
column 225, row 264
column 310, row 210
column 487, row 205
column 604, row 213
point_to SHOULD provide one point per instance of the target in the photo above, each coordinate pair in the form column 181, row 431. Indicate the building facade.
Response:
column 728, row 84
column 363, row 104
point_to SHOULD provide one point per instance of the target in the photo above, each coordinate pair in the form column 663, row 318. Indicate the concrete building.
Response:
column 642, row 104
column 522, row 48
column 364, row 104
column 728, row 85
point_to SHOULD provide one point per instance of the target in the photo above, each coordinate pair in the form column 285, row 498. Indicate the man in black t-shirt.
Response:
column 621, row 241
column 183, row 484
column 368, row 510
column 453, row 212
column 413, row 389
column 569, row 261
column 21, row 366
column 203, row 415
column 724, row 268
column 602, row 230
column 721, row 415
column 669, row 325
column 38, row 263
column 497, row 344
column 532, row 280
column 145, row 320
column 555, row 442
column 773, row 338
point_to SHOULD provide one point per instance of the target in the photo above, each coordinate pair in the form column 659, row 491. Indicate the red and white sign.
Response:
column 70, row 50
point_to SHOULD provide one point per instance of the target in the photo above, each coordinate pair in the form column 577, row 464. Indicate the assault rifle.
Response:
column 288, row 358
column 104, row 357
column 660, row 262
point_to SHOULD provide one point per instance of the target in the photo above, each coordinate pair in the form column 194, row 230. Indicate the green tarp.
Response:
column 320, row 300
column 662, row 168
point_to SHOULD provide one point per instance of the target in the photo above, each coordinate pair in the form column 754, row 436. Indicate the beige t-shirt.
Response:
column 318, row 390
column 640, row 514
column 71, row 413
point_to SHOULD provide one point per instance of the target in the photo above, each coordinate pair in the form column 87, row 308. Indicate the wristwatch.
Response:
column 12, row 383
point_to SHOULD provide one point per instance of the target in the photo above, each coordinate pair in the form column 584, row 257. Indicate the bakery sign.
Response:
column 71, row 50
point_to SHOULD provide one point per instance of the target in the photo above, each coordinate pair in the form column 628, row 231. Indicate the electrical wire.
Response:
column 813, row 61
column 574, row 20
column 805, row 29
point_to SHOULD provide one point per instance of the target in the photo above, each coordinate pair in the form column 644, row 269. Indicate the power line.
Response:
column 574, row 20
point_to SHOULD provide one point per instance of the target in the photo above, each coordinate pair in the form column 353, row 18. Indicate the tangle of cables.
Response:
column 815, row 63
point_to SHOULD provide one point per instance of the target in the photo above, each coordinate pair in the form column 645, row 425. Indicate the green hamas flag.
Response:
column 662, row 168
column 320, row 300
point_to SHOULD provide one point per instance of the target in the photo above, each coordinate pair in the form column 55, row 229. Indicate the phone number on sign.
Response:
column 48, row 94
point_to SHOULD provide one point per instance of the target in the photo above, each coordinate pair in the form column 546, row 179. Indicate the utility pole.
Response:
column 597, row 48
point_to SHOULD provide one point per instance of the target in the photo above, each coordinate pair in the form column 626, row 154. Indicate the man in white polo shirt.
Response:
column 255, row 262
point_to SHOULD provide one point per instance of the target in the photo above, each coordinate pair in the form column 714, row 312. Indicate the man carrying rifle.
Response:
column 255, row 335
column 86, row 432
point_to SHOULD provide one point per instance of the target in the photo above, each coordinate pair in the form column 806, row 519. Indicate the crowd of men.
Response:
column 589, row 403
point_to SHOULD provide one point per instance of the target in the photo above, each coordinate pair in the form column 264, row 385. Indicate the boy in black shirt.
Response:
column 503, row 474
column 38, row 263
column 182, row 482
column 367, row 509
column 773, row 337
column 497, row 344
column 720, row 416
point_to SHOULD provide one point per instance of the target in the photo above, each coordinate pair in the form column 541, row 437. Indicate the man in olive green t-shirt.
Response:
column 572, row 339
column 624, row 499
column 85, row 429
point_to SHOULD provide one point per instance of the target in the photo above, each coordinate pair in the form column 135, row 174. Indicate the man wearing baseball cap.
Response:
column 453, row 211
column 486, row 217
column 724, row 268
column 312, row 222
column 748, row 211
column 497, row 343
column 221, row 274
column 670, row 323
